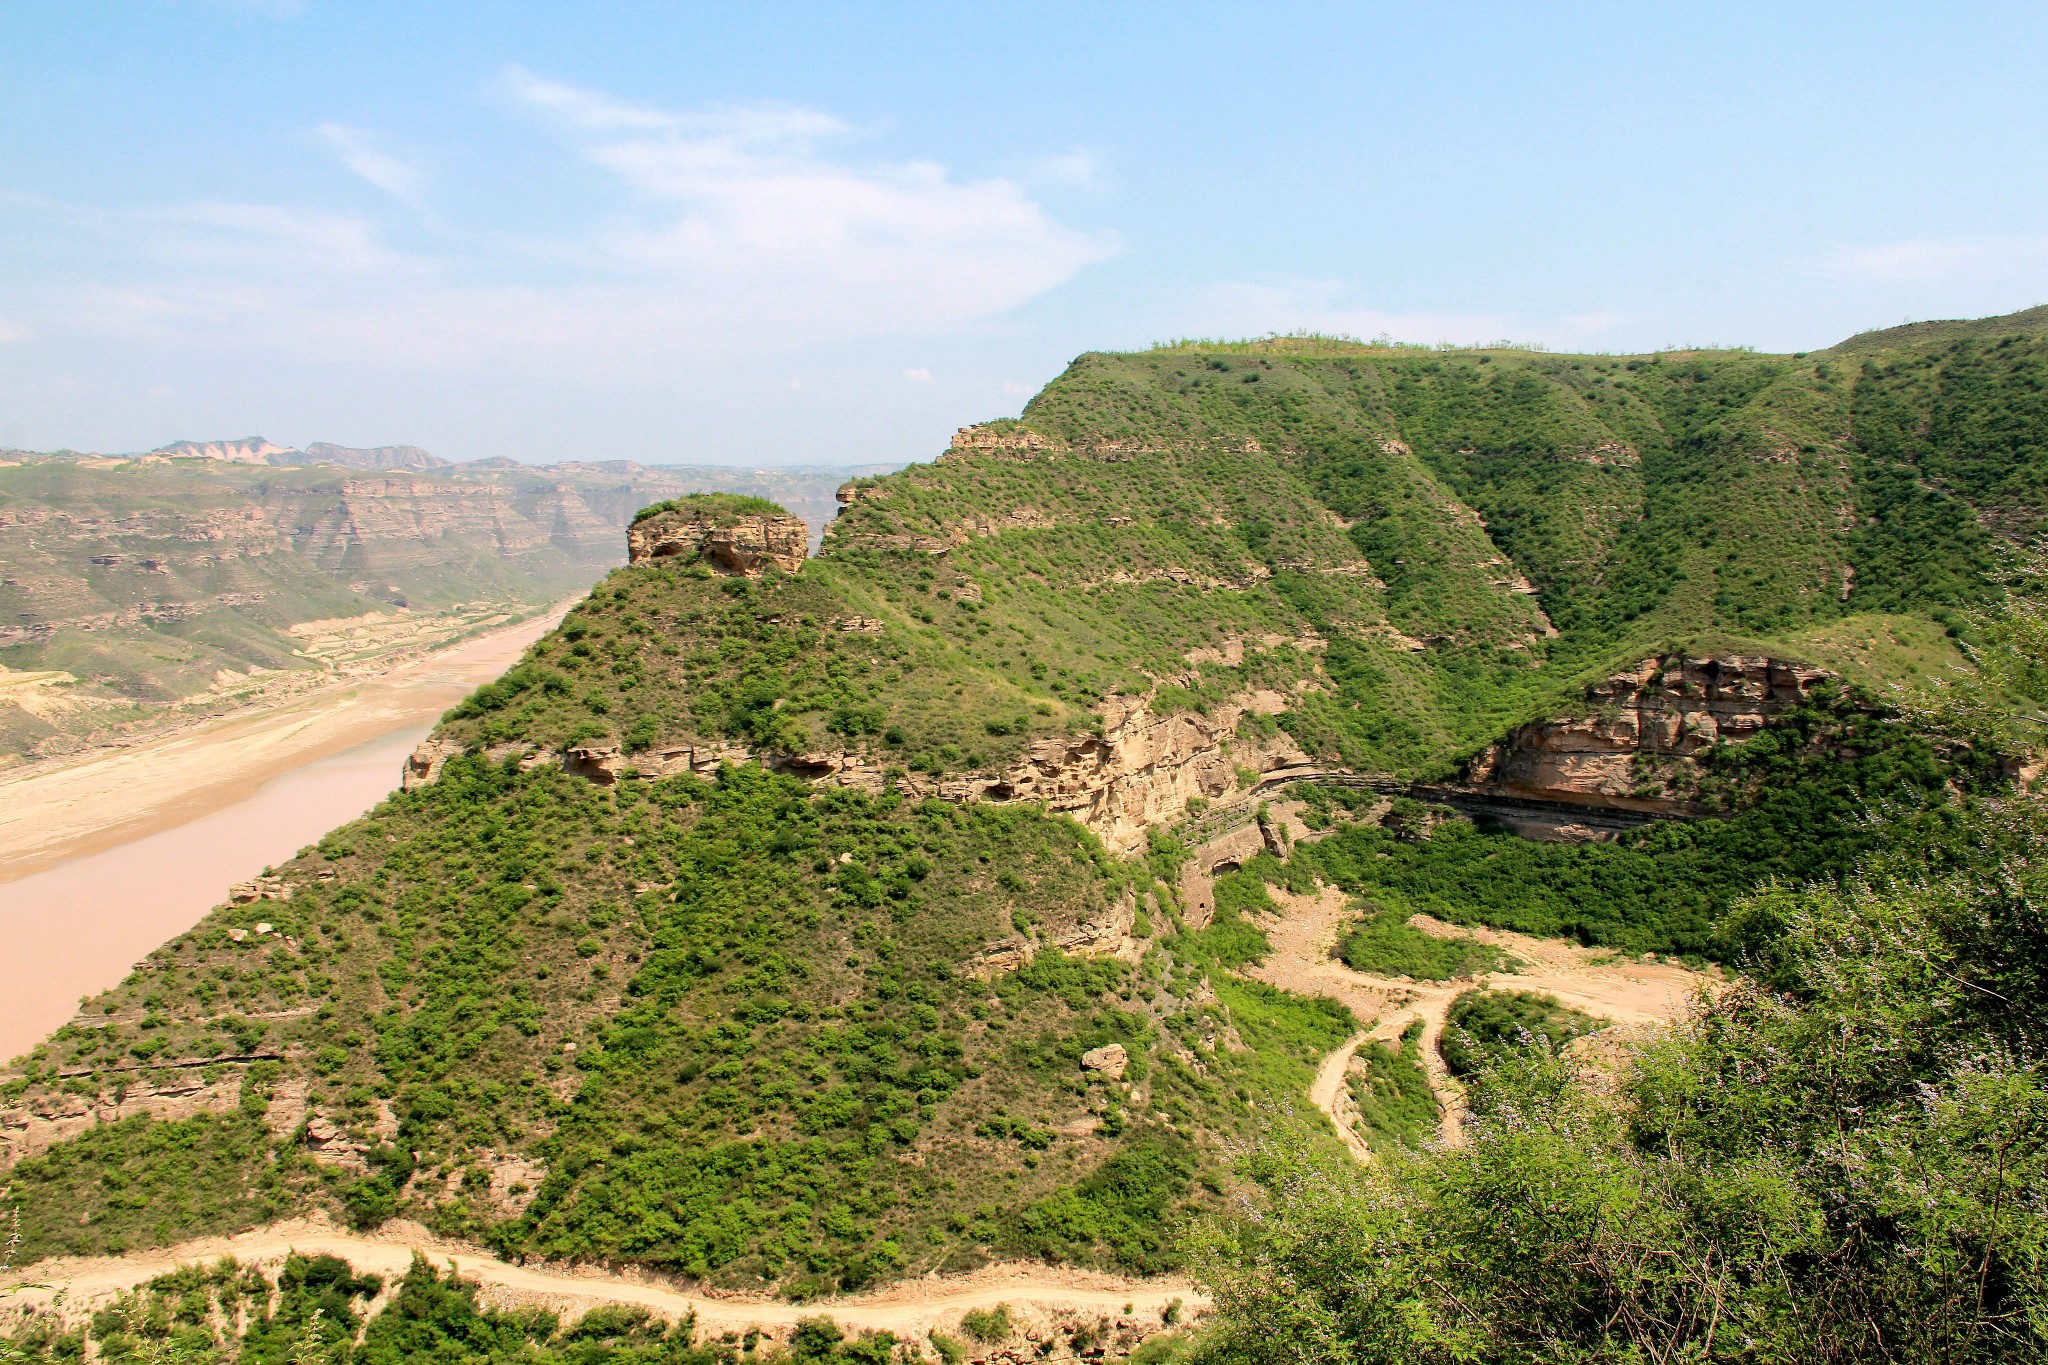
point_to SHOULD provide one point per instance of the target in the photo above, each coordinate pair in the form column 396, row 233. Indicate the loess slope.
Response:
column 708, row 940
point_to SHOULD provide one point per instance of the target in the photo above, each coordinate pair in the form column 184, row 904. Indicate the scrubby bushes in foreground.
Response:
column 1844, row 1159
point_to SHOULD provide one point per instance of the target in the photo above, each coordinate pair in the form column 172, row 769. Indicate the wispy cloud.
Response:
column 399, row 179
column 12, row 332
column 919, row 375
column 726, row 230
column 1077, row 170
column 1933, row 260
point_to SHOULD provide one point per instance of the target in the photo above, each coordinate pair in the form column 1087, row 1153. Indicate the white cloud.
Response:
column 1977, row 260
column 1077, row 169
column 918, row 376
column 399, row 179
column 586, row 109
column 726, row 231
column 248, row 238
column 11, row 332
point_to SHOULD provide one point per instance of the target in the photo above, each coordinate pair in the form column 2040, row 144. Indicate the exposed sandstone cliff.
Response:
column 1636, row 747
column 741, row 546
column 1138, row 771
column 39, row 1124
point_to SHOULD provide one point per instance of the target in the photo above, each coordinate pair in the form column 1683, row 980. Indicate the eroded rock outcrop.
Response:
column 742, row 546
column 424, row 764
column 1142, row 768
column 1001, row 439
column 39, row 1124
column 1138, row 770
column 1636, row 746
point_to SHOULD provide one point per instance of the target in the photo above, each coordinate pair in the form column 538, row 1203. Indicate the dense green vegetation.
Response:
column 1396, row 1108
column 718, row 507
column 1798, row 794
column 1839, row 1158
column 1384, row 943
column 1421, row 548
column 715, row 1015
column 1485, row 1025
column 804, row 1038
column 1840, row 1163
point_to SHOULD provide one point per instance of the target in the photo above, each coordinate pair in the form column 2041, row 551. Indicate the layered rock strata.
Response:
column 1637, row 744
column 1140, row 769
column 741, row 547
column 37, row 1125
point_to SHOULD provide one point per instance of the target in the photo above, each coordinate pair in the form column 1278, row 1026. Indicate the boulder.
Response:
column 1109, row 1060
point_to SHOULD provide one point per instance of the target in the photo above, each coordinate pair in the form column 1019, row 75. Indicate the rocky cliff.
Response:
column 742, row 546
column 1140, row 770
column 1636, row 743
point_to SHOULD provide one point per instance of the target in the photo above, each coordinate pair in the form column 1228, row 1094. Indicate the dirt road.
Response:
column 909, row 1309
column 1304, row 937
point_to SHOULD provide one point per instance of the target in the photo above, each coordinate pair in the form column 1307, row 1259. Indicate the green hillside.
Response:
column 773, row 1033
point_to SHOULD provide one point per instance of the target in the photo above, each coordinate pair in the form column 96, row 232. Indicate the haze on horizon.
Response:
column 831, row 233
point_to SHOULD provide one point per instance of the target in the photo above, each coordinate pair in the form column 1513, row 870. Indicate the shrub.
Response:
column 988, row 1325
column 1484, row 1026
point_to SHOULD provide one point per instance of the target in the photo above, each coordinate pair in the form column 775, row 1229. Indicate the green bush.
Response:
column 1383, row 943
column 1393, row 1095
column 1484, row 1026
column 988, row 1325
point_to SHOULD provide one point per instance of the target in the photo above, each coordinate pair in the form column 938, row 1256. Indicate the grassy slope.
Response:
column 784, row 1066
column 772, row 991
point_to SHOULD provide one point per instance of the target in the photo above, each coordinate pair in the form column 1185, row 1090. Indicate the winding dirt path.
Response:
column 1303, row 960
column 911, row 1308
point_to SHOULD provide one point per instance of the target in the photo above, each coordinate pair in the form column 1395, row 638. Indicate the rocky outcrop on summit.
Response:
column 1011, row 441
column 1636, row 747
column 738, row 546
column 1000, row 439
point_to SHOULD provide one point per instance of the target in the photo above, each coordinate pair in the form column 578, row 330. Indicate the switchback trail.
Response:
column 909, row 1309
column 1303, row 960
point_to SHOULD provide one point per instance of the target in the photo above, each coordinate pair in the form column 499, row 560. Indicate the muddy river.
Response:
column 111, row 857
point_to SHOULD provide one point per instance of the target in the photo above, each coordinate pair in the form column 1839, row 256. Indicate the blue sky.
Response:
column 796, row 233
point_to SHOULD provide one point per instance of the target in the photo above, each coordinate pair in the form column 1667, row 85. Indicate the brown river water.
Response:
column 102, row 875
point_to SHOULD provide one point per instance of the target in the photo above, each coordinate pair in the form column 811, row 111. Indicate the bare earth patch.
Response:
column 1635, row 995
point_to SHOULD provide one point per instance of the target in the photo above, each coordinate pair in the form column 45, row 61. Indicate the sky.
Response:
column 771, row 234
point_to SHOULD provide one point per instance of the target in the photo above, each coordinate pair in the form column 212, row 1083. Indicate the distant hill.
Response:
column 247, row 450
column 377, row 457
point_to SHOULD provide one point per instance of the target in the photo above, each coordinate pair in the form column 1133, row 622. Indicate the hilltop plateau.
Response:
column 1136, row 781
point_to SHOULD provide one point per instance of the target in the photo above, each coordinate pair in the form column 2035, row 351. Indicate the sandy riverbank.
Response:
column 104, row 859
column 51, row 814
